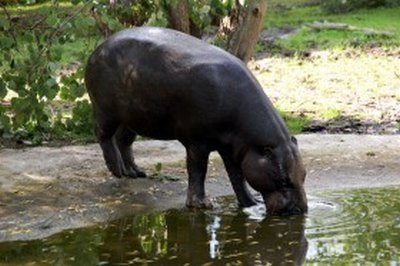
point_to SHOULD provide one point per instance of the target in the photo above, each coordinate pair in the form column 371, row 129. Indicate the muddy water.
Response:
column 356, row 227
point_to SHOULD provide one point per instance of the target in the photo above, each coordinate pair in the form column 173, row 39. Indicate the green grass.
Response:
column 380, row 19
column 27, row 10
column 291, row 2
column 295, row 124
column 331, row 114
column 292, row 17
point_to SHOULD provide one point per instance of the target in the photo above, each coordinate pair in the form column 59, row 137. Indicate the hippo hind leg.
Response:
column 105, row 131
column 124, row 137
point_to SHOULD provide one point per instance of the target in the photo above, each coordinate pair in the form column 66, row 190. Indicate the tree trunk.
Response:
column 178, row 15
column 244, row 37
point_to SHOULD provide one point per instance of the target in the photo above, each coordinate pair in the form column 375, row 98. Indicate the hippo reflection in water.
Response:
column 166, row 85
column 177, row 237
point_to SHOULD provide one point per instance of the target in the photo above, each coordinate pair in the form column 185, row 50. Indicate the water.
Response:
column 354, row 227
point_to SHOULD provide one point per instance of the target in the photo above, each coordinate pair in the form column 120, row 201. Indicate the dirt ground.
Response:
column 44, row 190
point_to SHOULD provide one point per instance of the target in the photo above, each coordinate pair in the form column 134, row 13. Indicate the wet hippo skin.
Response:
column 166, row 85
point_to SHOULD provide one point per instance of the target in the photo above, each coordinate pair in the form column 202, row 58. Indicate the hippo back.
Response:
column 166, row 78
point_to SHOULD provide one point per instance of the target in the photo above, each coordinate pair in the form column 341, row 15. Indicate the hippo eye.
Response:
column 285, row 183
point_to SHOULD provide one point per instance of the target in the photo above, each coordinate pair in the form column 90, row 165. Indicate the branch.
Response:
column 56, row 31
column 11, row 32
column 67, row 21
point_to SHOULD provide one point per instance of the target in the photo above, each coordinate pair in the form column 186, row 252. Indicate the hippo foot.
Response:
column 129, row 172
column 140, row 173
column 199, row 203
column 134, row 173
column 115, row 170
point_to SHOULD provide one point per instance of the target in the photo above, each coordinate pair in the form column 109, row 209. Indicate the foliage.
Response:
column 39, row 43
column 340, row 6
column 32, row 77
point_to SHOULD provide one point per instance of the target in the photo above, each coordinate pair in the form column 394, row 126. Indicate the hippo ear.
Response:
column 293, row 139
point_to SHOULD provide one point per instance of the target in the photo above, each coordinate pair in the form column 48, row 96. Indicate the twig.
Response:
column 11, row 32
column 67, row 21
column 34, row 26
column 56, row 31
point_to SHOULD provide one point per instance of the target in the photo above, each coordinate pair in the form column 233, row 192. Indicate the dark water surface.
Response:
column 352, row 227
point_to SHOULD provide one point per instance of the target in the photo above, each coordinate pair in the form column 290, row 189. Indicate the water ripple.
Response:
column 358, row 224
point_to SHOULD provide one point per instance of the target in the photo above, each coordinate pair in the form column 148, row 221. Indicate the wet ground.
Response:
column 46, row 190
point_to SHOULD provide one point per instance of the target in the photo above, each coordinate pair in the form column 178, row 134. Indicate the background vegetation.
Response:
column 44, row 46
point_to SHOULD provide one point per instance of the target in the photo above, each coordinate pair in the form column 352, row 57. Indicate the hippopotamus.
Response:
column 167, row 85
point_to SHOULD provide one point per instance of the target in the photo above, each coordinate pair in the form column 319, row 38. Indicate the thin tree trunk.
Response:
column 178, row 15
column 244, row 38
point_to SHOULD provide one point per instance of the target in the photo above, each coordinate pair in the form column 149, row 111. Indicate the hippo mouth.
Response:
column 283, row 204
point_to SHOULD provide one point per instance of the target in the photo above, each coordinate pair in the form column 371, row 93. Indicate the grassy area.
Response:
column 356, row 85
column 380, row 19
column 291, row 3
column 28, row 10
column 333, row 75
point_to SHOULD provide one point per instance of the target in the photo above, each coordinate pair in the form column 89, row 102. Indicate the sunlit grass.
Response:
column 331, row 114
column 335, row 83
column 294, row 122
column 291, row 2
column 292, row 17
column 20, row 10
column 380, row 19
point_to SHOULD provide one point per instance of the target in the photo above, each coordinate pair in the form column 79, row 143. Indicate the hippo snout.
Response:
column 285, row 203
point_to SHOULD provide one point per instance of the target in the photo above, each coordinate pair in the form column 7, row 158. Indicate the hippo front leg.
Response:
column 196, row 162
column 237, row 180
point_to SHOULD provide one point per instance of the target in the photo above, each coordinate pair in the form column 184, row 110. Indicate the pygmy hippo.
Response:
column 166, row 85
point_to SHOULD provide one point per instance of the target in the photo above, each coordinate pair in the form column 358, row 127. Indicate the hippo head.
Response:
column 278, row 174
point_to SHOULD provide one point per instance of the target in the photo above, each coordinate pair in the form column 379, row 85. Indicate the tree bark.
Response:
column 178, row 15
column 243, row 39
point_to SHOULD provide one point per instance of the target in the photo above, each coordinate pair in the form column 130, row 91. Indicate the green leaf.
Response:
column 53, row 67
column 6, row 43
column 52, row 20
column 90, row 21
column 50, row 82
column 3, row 89
column 52, row 92
column 4, row 23
column 64, row 93
column 111, row 22
column 77, row 90
column 76, row 2
column 158, row 167
column 4, row 122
